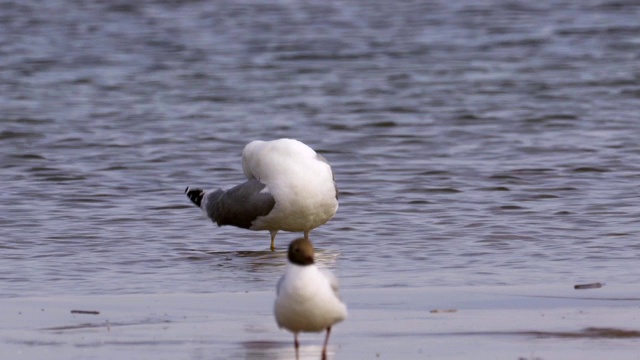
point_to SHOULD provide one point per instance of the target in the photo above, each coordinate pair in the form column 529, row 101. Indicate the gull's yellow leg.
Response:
column 273, row 239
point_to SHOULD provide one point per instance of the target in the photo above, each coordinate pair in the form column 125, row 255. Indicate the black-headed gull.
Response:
column 290, row 187
column 307, row 297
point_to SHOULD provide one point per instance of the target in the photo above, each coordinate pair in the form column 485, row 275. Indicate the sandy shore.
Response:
column 540, row 322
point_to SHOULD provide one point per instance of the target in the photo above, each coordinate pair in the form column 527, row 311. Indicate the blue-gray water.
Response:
column 474, row 142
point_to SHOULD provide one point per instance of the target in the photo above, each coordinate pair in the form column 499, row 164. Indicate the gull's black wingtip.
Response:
column 195, row 195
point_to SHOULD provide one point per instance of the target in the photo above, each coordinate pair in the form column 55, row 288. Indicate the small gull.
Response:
column 307, row 297
column 290, row 187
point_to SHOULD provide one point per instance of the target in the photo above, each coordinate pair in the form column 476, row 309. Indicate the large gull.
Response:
column 307, row 297
column 289, row 187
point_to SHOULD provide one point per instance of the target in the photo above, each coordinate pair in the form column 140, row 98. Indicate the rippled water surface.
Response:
column 474, row 142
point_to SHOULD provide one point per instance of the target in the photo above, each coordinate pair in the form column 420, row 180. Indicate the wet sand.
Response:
column 510, row 322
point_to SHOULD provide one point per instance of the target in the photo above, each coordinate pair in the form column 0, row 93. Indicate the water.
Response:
column 480, row 142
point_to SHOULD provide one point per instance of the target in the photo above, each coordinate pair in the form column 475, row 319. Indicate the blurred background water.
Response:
column 474, row 142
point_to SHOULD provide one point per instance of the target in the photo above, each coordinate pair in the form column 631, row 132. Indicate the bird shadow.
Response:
column 265, row 258
column 280, row 350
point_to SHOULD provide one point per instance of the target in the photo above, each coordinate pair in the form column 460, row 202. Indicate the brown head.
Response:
column 301, row 252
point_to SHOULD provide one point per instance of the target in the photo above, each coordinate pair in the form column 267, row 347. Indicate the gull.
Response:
column 289, row 187
column 307, row 297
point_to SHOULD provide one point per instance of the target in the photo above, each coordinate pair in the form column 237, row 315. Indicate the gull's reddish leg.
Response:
column 326, row 341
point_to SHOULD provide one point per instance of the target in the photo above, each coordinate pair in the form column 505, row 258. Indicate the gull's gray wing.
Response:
column 279, row 285
column 335, row 186
column 240, row 205
column 333, row 280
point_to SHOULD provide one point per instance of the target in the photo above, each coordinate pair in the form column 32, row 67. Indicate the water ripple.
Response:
column 490, row 142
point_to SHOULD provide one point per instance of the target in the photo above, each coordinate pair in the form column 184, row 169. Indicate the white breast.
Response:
column 306, row 300
column 301, row 184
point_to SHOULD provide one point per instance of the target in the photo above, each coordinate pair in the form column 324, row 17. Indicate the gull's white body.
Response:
column 289, row 187
column 308, row 300
column 299, row 179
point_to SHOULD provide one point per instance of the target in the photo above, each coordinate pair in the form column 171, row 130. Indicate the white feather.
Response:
column 307, row 300
column 300, row 181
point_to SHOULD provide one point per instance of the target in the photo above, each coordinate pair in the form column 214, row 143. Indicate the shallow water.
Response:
column 485, row 142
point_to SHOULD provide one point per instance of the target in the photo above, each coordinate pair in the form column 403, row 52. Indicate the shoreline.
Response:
column 479, row 322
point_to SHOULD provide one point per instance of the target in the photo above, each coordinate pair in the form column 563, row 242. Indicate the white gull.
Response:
column 290, row 187
column 307, row 297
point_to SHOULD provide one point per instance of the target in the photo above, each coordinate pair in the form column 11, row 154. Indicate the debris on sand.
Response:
column 87, row 312
column 588, row 286
column 439, row 311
